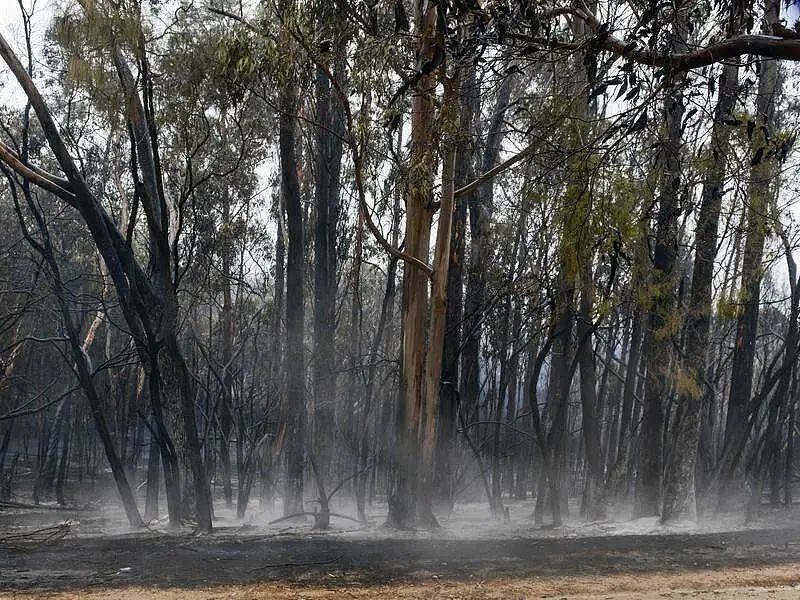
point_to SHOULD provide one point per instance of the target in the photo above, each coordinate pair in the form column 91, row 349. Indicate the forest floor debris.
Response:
column 472, row 556
column 31, row 538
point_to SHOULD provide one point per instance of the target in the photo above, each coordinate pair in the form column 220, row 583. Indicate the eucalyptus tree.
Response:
column 42, row 243
column 329, row 133
column 679, row 487
column 214, row 138
column 760, row 190
column 147, row 294
column 529, row 170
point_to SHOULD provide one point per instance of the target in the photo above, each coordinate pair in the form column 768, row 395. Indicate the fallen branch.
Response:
column 310, row 514
column 36, row 537
column 42, row 507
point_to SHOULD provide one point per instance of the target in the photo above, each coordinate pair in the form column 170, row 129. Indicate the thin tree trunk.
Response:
column 153, row 481
column 449, row 400
column 480, row 210
column 63, row 463
column 226, row 404
column 588, row 392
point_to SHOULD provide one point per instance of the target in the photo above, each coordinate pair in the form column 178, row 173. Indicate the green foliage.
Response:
column 686, row 384
column 727, row 310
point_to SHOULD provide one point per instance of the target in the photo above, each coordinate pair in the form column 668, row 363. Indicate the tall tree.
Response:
column 329, row 133
column 294, row 365
column 679, row 484
column 660, row 330
column 148, row 297
column 759, row 194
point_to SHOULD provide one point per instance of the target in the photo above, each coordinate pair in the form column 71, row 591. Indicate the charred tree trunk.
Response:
column 588, row 390
column 679, row 484
column 327, row 165
column 226, row 403
column 449, row 400
column 63, row 462
column 294, row 366
column 760, row 193
column 153, row 480
column 660, row 327
column 560, row 380
column 626, row 423
column 480, row 211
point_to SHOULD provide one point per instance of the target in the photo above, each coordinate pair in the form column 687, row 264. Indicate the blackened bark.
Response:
column 480, row 210
column 294, row 366
column 560, row 378
column 628, row 391
column 659, row 323
column 448, row 417
column 153, row 480
column 327, row 165
column 226, row 403
column 679, row 483
column 760, row 192
column 588, row 392
column 63, row 462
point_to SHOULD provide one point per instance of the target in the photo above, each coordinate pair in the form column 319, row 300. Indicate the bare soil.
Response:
column 702, row 585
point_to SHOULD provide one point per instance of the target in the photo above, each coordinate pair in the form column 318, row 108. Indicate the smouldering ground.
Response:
column 471, row 557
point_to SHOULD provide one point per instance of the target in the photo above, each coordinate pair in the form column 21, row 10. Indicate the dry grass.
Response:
column 776, row 583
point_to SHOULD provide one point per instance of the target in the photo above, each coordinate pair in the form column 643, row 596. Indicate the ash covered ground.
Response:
column 88, row 551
